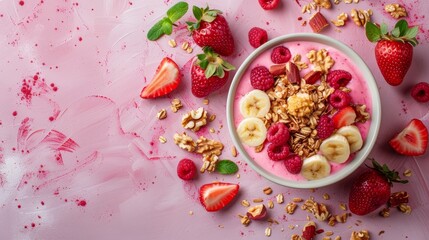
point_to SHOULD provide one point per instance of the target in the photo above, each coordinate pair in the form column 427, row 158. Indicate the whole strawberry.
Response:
column 209, row 73
column 394, row 50
column 372, row 189
column 211, row 29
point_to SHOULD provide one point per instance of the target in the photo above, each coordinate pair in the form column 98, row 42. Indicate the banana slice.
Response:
column 255, row 103
column 335, row 148
column 315, row 167
column 353, row 136
column 252, row 131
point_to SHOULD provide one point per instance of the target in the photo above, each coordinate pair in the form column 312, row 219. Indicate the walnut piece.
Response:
column 209, row 163
column 184, row 142
column 323, row 3
column 361, row 235
column 209, row 147
column 341, row 20
column 162, row 114
column 319, row 210
column 321, row 60
column 195, row 119
column 395, row 10
column 176, row 104
column 362, row 114
column 290, row 207
column 361, row 17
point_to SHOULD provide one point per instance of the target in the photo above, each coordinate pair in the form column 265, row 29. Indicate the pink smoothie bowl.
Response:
column 372, row 128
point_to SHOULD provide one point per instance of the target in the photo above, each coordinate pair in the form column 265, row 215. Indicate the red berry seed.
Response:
column 186, row 169
column 278, row 152
column 293, row 164
column 420, row 92
column 278, row 134
column 280, row 54
column 261, row 78
column 339, row 99
column 257, row 37
column 338, row 78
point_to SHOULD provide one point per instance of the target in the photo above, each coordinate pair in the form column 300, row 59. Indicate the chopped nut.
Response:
column 326, row 238
column 329, row 233
column 318, row 22
column 280, row 198
column 291, row 207
column 176, row 104
column 233, row 151
column 259, row 148
column 191, row 212
column 184, row 142
column 398, row 198
column 172, row 43
column 195, row 119
column 162, row 139
column 385, row 212
column 245, row 203
column 395, row 10
column 209, row 163
column 323, row 3
column 319, row 210
column 212, row 130
column 295, row 237
column 321, row 60
column 189, row 49
column 270, row 220
column 405, row 208
column 341, row 20
column 162, row 114
column 244, row 220
column 185, row 45
column 270, row 204
column 361, row 235
column 212, row 117
column 337, row 238
column 268, row 231
column 297, row 61
column 408, row 173
column 341, row 218
column 208, row 146
column 361, row 17
column 258, row 200
column 297, row 199
column 292, row 72
column 343, row 206
column 326, row 196
column 205, row 101
column 267, row 190
column 361, row 113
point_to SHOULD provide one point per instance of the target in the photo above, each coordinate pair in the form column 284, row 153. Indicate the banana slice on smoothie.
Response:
column 255, row 103
column 353, row 136
column 315, row 167
column 335, row 148
column 252, row 131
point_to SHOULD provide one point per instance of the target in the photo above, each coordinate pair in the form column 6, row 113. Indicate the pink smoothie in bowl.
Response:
column 363, row 92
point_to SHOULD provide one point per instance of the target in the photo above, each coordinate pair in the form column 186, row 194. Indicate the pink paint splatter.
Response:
column 81, row 203
column 21, row 3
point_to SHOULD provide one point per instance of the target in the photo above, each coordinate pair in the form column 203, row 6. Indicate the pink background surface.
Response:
column 80, row 157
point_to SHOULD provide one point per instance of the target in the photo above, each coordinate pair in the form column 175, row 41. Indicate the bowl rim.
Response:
column 375, row 111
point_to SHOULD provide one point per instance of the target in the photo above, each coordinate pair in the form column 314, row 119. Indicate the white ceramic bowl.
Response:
column 375, row 112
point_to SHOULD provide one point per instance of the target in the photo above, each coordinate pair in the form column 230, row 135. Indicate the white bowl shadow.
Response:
column 375, row 111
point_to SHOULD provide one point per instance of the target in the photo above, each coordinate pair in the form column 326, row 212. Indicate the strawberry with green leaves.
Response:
column 211, row 29
column 209, row 73
column 371, row 189
column 394, row 50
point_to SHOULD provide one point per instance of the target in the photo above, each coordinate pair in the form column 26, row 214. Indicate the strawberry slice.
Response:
column 215, row 196
column 166, row 79
column 412, row 141
column 344, row 117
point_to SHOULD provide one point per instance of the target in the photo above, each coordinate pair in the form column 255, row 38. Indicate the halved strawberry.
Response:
column 344, row 117
column 412, row 141
column 215, row 196
column 166, row 79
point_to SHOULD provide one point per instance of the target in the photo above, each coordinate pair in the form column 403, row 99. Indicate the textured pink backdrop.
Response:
column 79, row 150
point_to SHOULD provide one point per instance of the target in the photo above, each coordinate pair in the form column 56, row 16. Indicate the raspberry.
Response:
column 278, row 134
column 257, row 37
column 261, row 78
column 280, row 54
column 186, row 169
column 325, row 128
column 339, row 99
column 420, row 92
column 293, row 164
column 278, row 152
column 269, row 4
column 338, row 78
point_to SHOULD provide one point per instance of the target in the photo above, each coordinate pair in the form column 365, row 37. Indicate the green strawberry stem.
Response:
column 202, row 14
column 213, row 64
column 401, row 32
column 390, row 175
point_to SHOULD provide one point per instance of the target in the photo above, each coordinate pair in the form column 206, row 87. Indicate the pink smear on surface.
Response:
column 81, row 203
column 23, row 133
column 59, row 141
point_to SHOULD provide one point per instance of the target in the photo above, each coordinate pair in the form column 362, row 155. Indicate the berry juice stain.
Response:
column 21, row 3
column 14, row 113
column 81, row 203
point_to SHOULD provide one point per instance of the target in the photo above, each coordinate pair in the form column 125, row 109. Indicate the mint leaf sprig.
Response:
column 401, row 32
column 226, row 167
column 165, row 25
